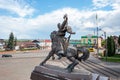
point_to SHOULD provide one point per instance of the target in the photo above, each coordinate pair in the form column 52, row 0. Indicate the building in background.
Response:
column 90, row 41
column 48, row 43
column 44, row 43
column 75, row 42
column 2, row 44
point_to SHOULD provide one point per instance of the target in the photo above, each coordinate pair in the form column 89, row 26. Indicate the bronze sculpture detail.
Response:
column 60, row 46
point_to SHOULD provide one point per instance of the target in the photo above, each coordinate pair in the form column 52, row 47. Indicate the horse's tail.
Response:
column 85, row 54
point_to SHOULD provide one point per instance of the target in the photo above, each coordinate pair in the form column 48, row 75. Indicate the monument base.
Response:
column 50, row 72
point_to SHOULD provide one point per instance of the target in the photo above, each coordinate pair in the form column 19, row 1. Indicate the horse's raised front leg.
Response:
column 47, row 58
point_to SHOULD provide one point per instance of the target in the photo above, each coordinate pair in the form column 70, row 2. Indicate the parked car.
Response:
column 91, row 49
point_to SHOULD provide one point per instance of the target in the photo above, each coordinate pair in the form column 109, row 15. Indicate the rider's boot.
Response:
column 59, row 56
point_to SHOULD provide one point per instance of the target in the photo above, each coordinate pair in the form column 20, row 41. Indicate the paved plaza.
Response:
column 20, row 66
column 17, row 69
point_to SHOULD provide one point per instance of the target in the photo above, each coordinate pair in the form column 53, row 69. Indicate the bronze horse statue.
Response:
column 71, row 53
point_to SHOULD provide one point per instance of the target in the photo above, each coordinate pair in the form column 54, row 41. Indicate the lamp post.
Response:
column 98, row 29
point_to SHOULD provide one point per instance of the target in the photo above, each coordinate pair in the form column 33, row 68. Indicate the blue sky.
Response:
column 36, row 19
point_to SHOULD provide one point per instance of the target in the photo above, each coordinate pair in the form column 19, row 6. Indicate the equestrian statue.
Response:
column 60, row 46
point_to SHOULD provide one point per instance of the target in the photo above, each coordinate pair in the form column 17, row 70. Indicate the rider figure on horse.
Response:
column 62, row 29
column 60, row 46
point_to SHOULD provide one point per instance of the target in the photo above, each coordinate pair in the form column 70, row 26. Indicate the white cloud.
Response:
column 89, row 24
column 116, row 5
column 19, row 7
column 42, row 25
column 102, row 3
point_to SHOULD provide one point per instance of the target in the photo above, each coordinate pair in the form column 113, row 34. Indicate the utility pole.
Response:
column 105, row 46
column 97, row 34
column 97, row 41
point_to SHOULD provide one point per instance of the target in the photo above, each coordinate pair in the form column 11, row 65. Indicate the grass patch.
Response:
column 25, row 49
column 2, row 50
column 115, row 58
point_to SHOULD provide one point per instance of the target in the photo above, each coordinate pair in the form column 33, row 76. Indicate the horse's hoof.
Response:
column 53, row 58
column 69, row 70
column 59, row 57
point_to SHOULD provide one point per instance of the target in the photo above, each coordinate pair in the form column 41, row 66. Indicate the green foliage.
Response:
column 115, row 58
column 103, row 43
column 26, row 49
column 10, row 45
column 110, row 46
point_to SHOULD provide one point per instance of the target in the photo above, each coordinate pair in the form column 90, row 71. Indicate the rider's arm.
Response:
column 69, row 30
column 64, row 22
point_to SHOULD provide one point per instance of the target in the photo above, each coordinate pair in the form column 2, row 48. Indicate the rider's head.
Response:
column 65, row 16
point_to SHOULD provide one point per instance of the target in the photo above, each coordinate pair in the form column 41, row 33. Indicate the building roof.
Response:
column 35, row 41
column 47, row 40
column 88, row 36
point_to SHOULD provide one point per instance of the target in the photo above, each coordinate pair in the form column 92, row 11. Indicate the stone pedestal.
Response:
column 50, row 72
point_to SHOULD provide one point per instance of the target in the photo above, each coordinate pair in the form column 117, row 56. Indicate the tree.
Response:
column 119, row 40
column 110, row 46
column 10, row 44
column 114, row 46
column 103, row 43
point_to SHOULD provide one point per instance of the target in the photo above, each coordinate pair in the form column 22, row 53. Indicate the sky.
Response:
column 36, row 19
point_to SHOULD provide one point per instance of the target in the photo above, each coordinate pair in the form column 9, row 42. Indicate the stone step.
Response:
column 98, row 77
